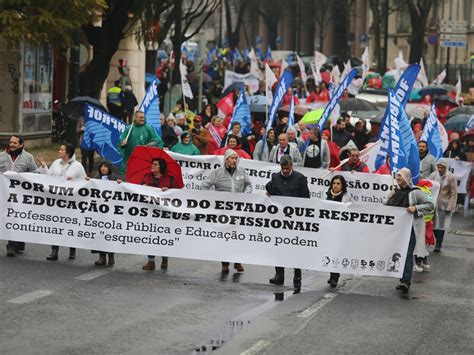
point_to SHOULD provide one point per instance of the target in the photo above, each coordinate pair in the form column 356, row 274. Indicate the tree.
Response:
column 46, row 21
column 233, row 34
column 419, row 10
column 323, row 18
column 271, row 12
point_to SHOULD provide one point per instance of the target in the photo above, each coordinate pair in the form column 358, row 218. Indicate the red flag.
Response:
column 226, row 104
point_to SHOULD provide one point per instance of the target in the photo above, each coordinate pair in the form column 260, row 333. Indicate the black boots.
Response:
column 111, row 259
column 296, row 285
column 439, row 236
column 102, row 260
column 53, row 256
column 277, row 280
column 72, row 253
column 333, row 279
column 10, row 251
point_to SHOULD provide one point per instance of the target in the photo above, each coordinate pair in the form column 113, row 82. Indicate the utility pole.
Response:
column 385, row 38
column 74, row 66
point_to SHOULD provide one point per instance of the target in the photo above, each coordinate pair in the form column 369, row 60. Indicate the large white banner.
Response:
column 362, row 187
column 247, row 228
column 462, row 170
column 249, row 79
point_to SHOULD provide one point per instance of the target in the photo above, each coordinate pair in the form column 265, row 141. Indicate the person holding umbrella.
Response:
column 134, row 135
column 159, row 177
column 231, row 178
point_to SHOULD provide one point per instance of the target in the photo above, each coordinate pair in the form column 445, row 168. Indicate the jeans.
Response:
column 408, row 271
column 420, row 260
column 439, row 235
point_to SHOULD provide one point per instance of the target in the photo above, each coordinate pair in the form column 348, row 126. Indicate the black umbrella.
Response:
column 457, row 123
column 238, row 85
column 432, row 90
column 460, row 110
column 73, row 110
column 445, row 98
column 354, row 104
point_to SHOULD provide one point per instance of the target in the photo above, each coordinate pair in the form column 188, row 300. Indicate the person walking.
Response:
column 129, row 101
column 230, row 178
column 417, row 202
column 158, row 177
column 115, row 100
column 427, row 161
column 354, row 163
column 446, row 202
column 185, row 146
column 200, row 135
column 337, row 192
column 16, row 158
column 68, row 167
column 285, row 148
column 134, row 135
column 105, row 172
column 287, row 182
column 260, row 153
column 316, row 151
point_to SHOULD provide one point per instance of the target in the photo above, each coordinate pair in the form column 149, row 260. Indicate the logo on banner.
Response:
column 345, row 263
column 326, row 260
column 354, row 263
column 380, row 265
column 371, row 264
column 335, row 262
column 363, row 264
column 394, row 262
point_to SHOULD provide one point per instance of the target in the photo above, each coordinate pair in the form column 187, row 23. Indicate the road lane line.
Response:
column 256, row 348
column 92, row 275
column 328, row 297
column 30, row 297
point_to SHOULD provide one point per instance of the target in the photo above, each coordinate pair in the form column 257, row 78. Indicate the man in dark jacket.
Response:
column 339, row 135
column 287, row 183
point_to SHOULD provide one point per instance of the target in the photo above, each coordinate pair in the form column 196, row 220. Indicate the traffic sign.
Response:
column 447, row 26
column 447, row 43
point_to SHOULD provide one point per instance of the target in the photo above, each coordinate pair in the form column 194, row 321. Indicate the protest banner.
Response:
column 362, row 187
column 248, row 228
column 460, row 169
column 250, row 79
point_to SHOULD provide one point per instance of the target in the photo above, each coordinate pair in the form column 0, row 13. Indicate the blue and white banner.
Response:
column 151, row 106
column 291, row 114
column 431, row 134
column 282, row 87
column 335, row 98
column 101, row 133
column 398, row 159
column 242, row 114
column 402, row 93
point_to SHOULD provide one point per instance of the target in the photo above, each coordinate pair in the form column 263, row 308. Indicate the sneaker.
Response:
column 403, row 287
column 426, row 267
column 417, row 268
column 150, row 266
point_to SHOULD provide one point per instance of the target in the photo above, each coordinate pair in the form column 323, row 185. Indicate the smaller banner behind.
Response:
column 249, row 228
column 460, row 169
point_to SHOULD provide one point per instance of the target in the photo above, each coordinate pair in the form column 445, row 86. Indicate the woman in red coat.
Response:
column 333, row 149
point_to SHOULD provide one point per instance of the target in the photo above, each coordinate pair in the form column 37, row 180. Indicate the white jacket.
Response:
column 70, row 170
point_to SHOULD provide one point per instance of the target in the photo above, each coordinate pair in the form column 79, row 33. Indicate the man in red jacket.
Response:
column 354, row 163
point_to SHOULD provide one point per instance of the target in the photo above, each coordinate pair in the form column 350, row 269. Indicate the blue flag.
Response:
column 335, row 98
column 259, row 53
column 237, row 55
column 282, row 87
column 402, row 92
column 268, row 56
column 431, row 134
column 408, row 146
column 291, row 114
column 398, row 159
column 101, row 133
column 151, row 106
column 245, row 54
column 242, row 114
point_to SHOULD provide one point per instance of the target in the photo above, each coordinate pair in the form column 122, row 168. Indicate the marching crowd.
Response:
column 285, row 145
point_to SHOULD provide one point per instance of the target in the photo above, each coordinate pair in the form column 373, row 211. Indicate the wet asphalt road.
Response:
column 73, row 307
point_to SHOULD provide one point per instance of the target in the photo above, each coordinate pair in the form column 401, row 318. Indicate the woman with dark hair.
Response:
column 158, row 177
column 337, row 192
column 105, row 172
column 68, row 167
column 455, row 151
column 262, row 153
column 207, row 114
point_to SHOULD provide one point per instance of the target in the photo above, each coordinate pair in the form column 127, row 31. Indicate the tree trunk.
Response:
column 228, row 23
column 374, row 7
column 177, row 40
column 417, row 39
column 106, row 41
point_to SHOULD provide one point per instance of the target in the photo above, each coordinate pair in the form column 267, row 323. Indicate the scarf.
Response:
column 400, row 197
column 331, row 196
column 14, row 154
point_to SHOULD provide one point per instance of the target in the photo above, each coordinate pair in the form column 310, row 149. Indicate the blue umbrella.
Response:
column 457, row 123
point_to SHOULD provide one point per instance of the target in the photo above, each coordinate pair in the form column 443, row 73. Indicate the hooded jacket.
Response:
column 185, row 149
column 223, row 180
column 448, row 189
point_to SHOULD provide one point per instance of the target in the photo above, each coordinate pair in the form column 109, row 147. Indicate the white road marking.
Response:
column 92, row 275
column 255, row 348
column 30, row 297
column 328, row 297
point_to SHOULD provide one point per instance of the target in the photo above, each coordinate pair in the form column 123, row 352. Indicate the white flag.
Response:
column 400, row 62
column 365, row 62
column 254, row 69
column 284, row 65
column 458, row 88
column 422, row 74
column 440, row 78
column 319, row 59
column 184, row 80
column 304, row 77
column 336, row 75
column 316, row 74
column 347, row 69
column 270, row 79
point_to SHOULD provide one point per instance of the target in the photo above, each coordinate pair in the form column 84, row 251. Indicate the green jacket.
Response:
column 185, row 149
